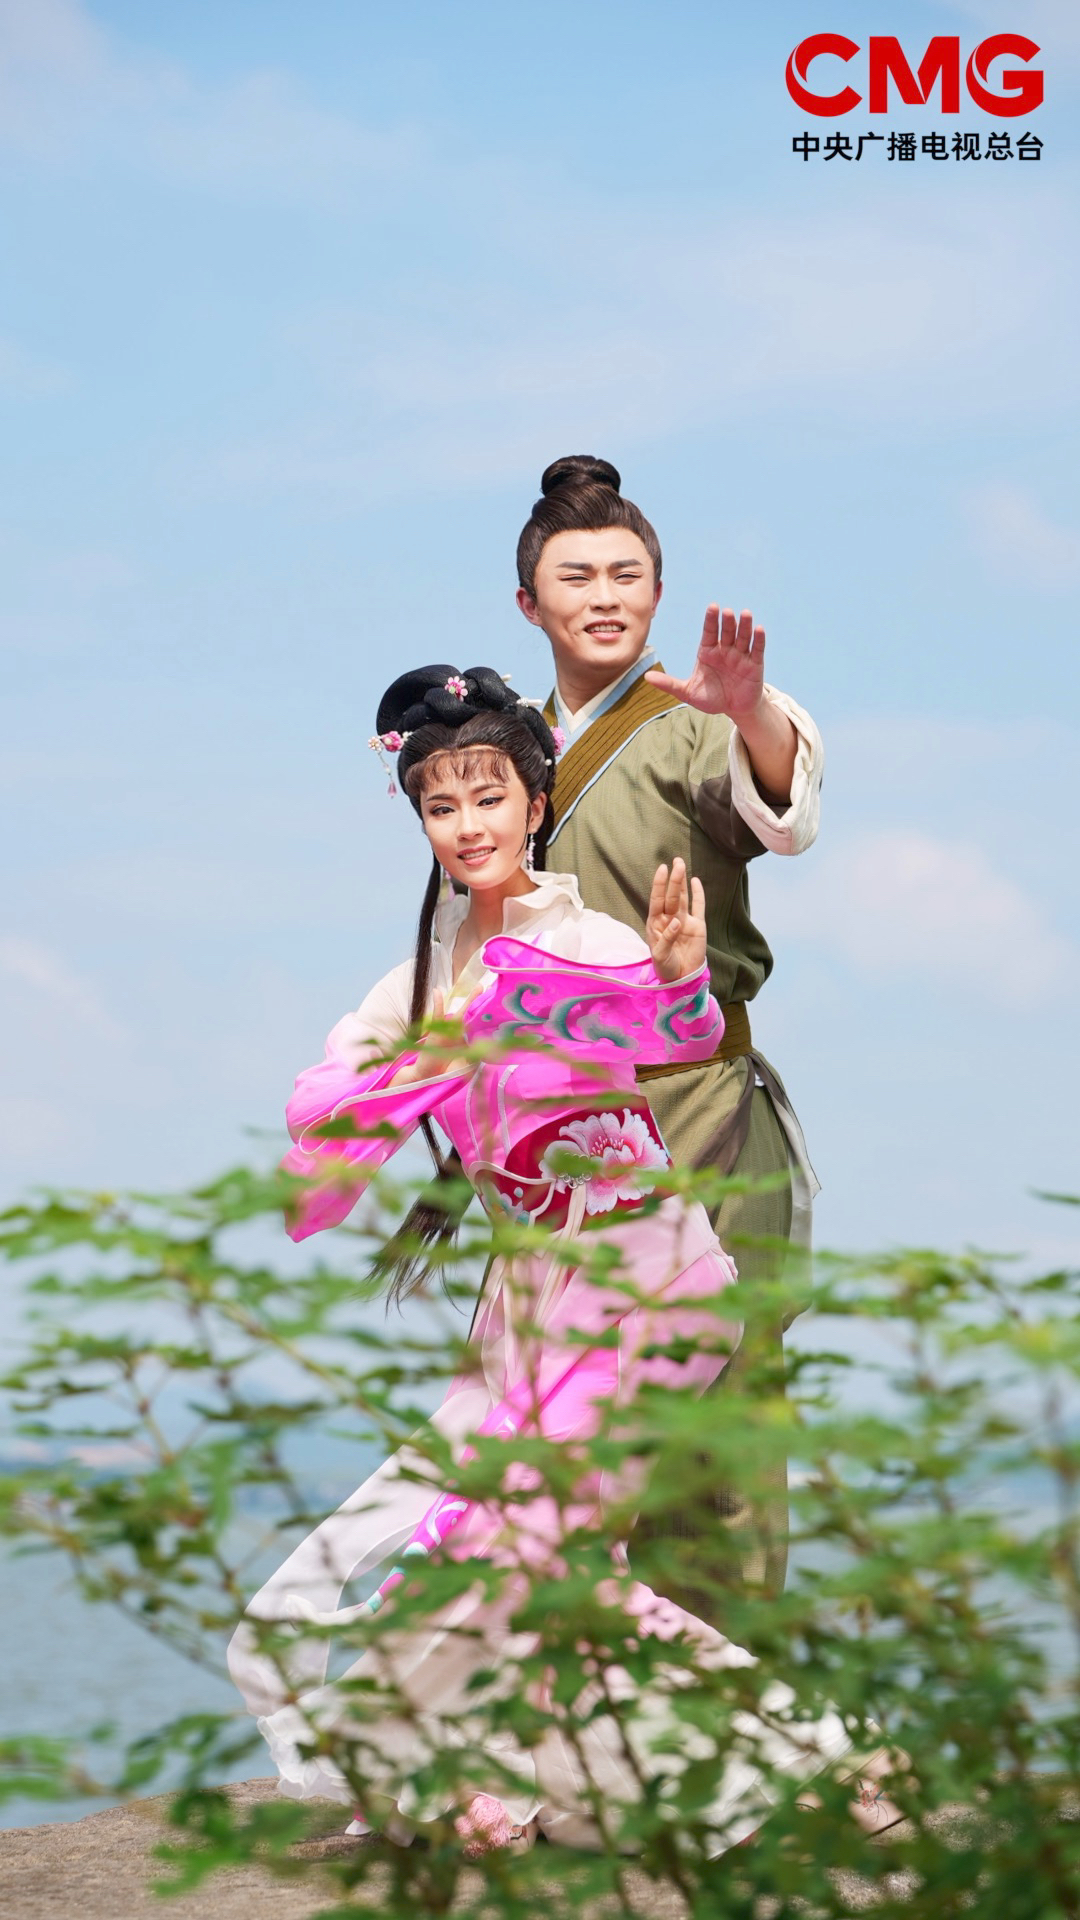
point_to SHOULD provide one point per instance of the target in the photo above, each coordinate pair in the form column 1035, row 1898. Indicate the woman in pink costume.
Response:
column 515, row 959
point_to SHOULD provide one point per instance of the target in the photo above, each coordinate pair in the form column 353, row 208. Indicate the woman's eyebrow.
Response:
column 476, row 786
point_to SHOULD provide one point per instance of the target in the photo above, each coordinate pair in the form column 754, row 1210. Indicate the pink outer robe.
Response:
column 570, row 1012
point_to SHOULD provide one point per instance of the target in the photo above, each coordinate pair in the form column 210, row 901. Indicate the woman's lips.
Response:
column 476, row 856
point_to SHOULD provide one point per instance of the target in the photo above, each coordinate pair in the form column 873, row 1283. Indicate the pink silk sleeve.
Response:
column 603, row 1011
column 687, row 1023
column 382, row 1117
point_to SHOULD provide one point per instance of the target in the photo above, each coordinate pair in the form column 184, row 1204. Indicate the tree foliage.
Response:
column 934, row 1597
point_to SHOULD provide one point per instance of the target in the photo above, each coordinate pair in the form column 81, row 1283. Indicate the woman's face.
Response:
column 478, row 819
column 595, row 598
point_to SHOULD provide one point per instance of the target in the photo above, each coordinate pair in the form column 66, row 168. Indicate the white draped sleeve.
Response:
column 795, row 829
column 379, row 1023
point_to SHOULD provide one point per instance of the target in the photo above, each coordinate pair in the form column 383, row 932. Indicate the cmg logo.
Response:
column 1019, row 89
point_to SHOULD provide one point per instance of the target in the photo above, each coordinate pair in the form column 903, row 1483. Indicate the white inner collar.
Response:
column 573, row 722
column 519, row 909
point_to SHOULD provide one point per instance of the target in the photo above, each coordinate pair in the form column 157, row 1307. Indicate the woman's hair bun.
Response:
column 580, row 470
column 442, row 693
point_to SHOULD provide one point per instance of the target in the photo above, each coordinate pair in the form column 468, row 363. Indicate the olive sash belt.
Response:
column 734, row 1045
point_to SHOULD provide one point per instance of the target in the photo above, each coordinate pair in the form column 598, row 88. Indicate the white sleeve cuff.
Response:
column 796, row 828
column 379, row 1025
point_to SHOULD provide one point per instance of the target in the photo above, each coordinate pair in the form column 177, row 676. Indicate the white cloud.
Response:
column 905, row 905
column 27, row 771
column 1018, row 539
column 1054, row 24
column 180, row 888
column 32, row 964
column 830, row 316
column 60, row 599
column 51, row 36
column 27, row 375
column 957, row 308
column 1010, row 781
column 70, row 93
column 262, row 137
column 241, row 884
column 32, row 1131
column 56, row 77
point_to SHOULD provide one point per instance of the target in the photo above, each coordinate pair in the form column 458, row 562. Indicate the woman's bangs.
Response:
column 463, row 763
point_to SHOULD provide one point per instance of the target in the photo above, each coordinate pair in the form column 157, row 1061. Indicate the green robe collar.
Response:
column 590, row 755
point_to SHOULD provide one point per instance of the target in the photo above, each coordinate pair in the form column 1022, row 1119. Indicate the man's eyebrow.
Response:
column 588, row 566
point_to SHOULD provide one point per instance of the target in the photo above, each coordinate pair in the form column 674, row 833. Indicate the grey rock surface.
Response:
column 102, row 1868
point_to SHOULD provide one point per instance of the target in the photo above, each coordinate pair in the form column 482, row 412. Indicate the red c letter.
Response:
column 823, row 104
column 1023, row 91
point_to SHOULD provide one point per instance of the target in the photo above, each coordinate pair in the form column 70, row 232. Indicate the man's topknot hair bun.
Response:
column 580, row 493
column 579, row 470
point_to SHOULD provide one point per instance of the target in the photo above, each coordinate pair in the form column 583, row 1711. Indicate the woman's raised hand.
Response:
column 433, row 1050
column 675, row 928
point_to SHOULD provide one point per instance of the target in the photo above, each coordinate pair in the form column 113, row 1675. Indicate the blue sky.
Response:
column 297, row 303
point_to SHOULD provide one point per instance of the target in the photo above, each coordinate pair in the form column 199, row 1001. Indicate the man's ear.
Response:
column 528, row 606
column 659, row 588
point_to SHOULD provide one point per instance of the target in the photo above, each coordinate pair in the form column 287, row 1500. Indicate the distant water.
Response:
column 68, row 1665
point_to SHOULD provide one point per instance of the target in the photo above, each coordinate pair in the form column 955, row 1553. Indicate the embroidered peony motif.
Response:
column 456, row 684
column 623, row 1148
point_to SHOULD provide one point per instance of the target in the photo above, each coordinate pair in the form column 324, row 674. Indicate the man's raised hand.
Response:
column 728, row 675
column 675, row 928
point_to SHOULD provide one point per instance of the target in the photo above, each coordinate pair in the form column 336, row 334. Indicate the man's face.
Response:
column 595, row 598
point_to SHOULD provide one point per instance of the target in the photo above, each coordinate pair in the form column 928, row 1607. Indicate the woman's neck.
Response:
column 485, row 916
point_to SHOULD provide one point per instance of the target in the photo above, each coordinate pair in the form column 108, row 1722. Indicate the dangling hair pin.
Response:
column 382, row 744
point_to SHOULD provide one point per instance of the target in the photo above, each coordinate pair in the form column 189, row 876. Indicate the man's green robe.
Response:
column 647, row 780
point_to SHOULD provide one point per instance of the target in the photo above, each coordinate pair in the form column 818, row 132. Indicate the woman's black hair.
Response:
column 488, row 722
column 580, row 493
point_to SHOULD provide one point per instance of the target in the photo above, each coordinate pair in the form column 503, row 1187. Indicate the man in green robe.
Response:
column 718, row 769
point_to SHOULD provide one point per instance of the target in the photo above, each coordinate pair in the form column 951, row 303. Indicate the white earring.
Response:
column 530, row 853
